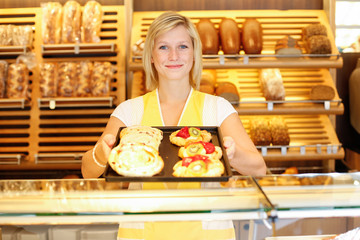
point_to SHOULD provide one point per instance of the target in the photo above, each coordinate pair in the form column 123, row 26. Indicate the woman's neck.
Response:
column 169, row 93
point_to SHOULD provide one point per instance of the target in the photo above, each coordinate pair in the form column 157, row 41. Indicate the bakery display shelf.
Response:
column 58, row 158
column 14, row 50
column 112, row 30
column 81, row 48
column 297, row 84
column 71, row 102
column 276, row 24
column 13, row 159
column 19, row 103
column 312, row 137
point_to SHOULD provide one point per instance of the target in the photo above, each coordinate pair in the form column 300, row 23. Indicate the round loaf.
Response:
column 228, row 91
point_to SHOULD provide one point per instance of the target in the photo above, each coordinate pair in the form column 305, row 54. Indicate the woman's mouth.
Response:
column 174, row 66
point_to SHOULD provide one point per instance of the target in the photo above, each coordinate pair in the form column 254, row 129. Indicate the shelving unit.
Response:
column 312, row 136
column 53, row 133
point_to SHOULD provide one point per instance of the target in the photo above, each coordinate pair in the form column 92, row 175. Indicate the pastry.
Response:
column 200, row 148
column 198, row 166
column 271, row 84
column 48, row 72
column 141, row 134
column 83, row 88
column 3, row 72
column 138, row 47
column 135, row 159
column 17, row 83
column 66, row 79
column 100, row 79
column 189, row 134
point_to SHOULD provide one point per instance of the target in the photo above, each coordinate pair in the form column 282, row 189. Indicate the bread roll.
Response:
column 279, row 131
column 208, row 76
column 71, row 24
column 17, row 83
column 318, row 44
column 228, row 91
column 207, row 88
column 67, row 78
column 51, row 22
column 260, row 132
column 48, row 73
column 271, row 84
column 322, row 92
column 209, row 36
column 101, row 78
column 229, row 36
column 287, row 46
column 3, row 73
column 314, row 29
column 91, row 22
column 252, row 38
column 83, row 88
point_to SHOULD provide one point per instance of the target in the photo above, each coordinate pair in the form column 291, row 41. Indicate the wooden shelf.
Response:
column 53, row 103
column 14, row 50
column 275, row 23
column 19, row 103
column 312, row 137
column 74, row 49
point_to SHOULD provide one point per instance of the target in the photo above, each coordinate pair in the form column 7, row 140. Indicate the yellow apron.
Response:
column 192, row 116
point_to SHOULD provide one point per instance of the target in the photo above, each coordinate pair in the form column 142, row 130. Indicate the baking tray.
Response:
column 169, row 153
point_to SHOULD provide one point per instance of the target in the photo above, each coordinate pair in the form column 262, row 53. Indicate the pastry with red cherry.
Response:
column 189, row 134
column 200, row 148
column 198, row 166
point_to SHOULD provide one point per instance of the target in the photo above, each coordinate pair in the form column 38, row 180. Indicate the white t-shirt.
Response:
column 216, row 110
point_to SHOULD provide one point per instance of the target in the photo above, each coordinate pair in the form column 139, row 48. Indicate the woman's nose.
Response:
column 173, row 54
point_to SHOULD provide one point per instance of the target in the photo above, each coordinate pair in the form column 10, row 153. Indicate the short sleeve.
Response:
column 224, row 109
column 130, row 112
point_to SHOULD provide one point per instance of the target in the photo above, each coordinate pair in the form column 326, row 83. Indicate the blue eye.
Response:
column 183, row 46
column 163, row 47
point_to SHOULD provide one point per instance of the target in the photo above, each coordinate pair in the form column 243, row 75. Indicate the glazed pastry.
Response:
column 51, row 23
column 135, row 159
column 48, row 72
column 91, row 22
column 71, row 24
column 189, row 134
column 198, row 166
column 200, row 148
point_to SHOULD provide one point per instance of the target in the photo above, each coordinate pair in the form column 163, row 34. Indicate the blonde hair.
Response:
column 164, row 23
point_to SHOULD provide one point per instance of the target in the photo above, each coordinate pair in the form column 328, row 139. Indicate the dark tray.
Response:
column 169, row 153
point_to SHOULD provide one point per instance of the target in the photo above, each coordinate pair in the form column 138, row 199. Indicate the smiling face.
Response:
column 173, row 54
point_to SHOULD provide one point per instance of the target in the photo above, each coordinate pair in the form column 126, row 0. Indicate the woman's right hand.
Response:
column 104, row 148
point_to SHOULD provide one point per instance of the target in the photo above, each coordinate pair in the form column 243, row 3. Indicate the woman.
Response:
column 172, row 62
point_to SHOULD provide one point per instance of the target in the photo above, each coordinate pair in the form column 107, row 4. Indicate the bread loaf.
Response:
column 48, row 75
column 287, row 46
column 229, row 36
column 314, row 29
column 260, row 132
column 209, row 36
column 67, row 78
column 279, row 131
column 318, row 44
column 3, row 72
column 271, row 84
column 91, row 22
column 322, row 92
column 51, row 22
column 252, row 37
column 17, row 83
column 22, row 35
column 228, row 91
column 101, row 78
column 208, row 81
column 71, row 24
column 83, row 88
column 6, row 35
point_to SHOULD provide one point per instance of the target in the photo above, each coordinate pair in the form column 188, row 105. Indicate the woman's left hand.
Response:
column 229, row 145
